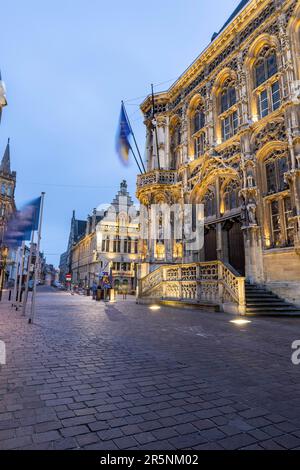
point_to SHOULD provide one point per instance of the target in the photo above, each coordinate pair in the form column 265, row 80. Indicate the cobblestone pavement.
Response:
column 121, row 376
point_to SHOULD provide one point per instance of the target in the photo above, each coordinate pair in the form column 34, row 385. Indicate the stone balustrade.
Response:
column 161, row 177
column 213, row 282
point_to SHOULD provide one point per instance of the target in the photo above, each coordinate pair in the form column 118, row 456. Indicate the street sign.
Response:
column 68, row 277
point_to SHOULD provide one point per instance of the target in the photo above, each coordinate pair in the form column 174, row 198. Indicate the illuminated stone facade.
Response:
column 229, row 137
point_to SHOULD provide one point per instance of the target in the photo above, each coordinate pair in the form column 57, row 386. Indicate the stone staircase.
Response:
column 260, row 301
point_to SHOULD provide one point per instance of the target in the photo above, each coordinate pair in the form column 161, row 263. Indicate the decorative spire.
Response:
column 123, row 187
column 5, row 163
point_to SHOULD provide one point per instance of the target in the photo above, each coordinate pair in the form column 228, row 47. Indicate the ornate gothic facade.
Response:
column 228, row 133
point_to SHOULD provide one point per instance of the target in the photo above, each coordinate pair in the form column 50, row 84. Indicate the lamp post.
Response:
column 4, row 254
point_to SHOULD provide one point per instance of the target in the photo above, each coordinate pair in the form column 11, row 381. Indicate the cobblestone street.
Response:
column 121, row 376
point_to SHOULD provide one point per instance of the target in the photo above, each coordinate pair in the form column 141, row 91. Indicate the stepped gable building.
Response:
column 110, row 244
column 229, row 138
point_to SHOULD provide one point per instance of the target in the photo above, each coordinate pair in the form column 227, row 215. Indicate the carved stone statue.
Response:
column 250, row 180
column 251, row 211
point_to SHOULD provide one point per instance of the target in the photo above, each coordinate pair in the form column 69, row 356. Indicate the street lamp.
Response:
column 4, row 254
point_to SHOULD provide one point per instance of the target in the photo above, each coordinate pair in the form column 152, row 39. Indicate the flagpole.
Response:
column 16, row 277
column 135, row 159
column 28, row 274
column 156, row 136
column 37, row 258
column 19, row 290
column 137, row 147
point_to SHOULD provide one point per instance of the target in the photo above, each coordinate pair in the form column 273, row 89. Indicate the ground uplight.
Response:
column 240, row 321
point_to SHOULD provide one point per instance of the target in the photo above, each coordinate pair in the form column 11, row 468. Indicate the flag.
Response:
column 123, row 134
column 23, row 222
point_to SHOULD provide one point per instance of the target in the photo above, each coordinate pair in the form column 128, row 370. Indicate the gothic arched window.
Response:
column 276, row 165
column 265, row 66
column 231, row 195
column 210, row 205
column 265, row 70
column 228, row 96
column 227, row 110
column 277, row 198
column 198, row 118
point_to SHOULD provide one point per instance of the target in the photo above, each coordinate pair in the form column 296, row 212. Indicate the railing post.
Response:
column 163, row 280
column 220, row 282
column 242, row 295
column 180, row 282
column 139, row 289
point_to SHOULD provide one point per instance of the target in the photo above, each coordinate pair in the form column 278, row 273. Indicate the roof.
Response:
column 240, row 6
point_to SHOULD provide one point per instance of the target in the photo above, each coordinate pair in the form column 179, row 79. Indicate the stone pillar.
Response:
column 184, row 135
column 252, row 237
column 149, row 141
column 161, row 135
column 219, row 225
column 243, row 91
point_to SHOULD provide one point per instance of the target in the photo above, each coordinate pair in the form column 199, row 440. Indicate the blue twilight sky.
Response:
column 67, row 64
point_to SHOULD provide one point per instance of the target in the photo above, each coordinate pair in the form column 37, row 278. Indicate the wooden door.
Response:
column 236, row 249
column 210, row 243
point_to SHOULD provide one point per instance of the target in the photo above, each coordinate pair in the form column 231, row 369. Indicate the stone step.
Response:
column 282, row 308
column 266, row 304
column 262, row 297
column 292, row 313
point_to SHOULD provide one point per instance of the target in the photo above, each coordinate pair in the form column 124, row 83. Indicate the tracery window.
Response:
column 266, row 65
column 228, row 96
column 281, row 229
column 227, row 110
column 210, row 205
column 265, row 68
column 199, row 145
column 231, row 195
column 276, row 165
column 198, row 118
column 3, row 189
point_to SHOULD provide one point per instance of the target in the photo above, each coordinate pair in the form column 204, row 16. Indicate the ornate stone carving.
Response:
column 272, row 131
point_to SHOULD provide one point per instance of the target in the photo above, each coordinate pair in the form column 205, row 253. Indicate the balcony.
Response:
column 156, row 177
